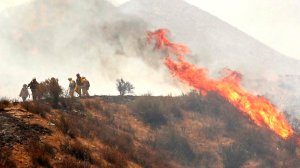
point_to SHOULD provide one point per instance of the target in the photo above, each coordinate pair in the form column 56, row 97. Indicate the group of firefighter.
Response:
column 80, row 86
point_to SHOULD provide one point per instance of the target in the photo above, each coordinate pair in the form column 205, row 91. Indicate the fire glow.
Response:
column 257, row 108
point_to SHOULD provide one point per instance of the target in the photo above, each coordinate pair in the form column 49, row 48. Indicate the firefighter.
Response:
column 85, row 86
column 78, row 84
column 33, row 85
column 72, row 86
column 24, row 93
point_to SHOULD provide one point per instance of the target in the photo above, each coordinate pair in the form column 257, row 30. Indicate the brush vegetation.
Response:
column 146, row 131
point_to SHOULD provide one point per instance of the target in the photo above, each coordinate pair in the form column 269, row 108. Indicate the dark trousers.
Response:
column 34, row 94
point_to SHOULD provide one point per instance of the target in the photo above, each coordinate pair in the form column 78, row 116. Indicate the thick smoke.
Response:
column 62, row 37
column 218, row 45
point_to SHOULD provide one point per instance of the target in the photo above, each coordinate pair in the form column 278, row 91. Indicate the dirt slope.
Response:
column 185, row 131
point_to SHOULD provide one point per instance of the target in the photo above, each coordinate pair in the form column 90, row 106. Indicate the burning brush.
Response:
column 257, row 108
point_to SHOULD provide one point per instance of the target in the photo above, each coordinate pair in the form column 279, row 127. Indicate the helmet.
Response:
column 24, row 85
column 69, row 79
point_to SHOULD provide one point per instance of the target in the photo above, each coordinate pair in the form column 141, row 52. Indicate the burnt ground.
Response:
column 16, row 131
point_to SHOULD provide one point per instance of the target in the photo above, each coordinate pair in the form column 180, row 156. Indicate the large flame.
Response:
column 258, row 108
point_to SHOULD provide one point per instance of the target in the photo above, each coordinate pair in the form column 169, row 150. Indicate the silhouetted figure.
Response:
column 85, row 87
column 24, row 92
column 33, row 85
column 72, row 86
column 78, row 84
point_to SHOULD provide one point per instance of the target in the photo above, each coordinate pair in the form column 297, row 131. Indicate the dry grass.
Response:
column 167, row 141
column 70, row 162
column 95, row 105
column 177, row 145
column 234, row 156
column 4, row 103
column 40, row 153
column 5, row 161
column 40, row 108
column 207, row 159
column 72, row 105
column 78, row 151
column 115, row 158
column 155, row 111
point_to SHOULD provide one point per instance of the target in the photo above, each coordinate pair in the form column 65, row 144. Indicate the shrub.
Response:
column 234, row 156
column 150, row 110
column 115, row 158
column 289, row 162
column 37, row 108
column 177, row 145
column 73, row 163
column 94, row 105
column 68, row 126
column 291, row 146
column 255, row 142
column 76, row 125
column 147, row 159
column 153, row 116
column 72, row 105
column 5, row 161
column 171, row 106
column 4, row 103
column 176, row 111
column 40, row 153
column 212, row 131
column 207, row 159
column 50, row 89
column 193, row 101
column 117, row 140
column 78, row 151
column 124, row 87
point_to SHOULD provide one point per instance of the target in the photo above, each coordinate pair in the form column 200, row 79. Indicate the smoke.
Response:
column 59, row 38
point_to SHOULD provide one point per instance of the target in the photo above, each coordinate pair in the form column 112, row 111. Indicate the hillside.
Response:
column 145, row 131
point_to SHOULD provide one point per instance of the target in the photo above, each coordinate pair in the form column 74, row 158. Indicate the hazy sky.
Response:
column 273, row 22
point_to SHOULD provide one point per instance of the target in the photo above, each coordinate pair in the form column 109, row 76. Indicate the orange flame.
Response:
column 258, row 108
